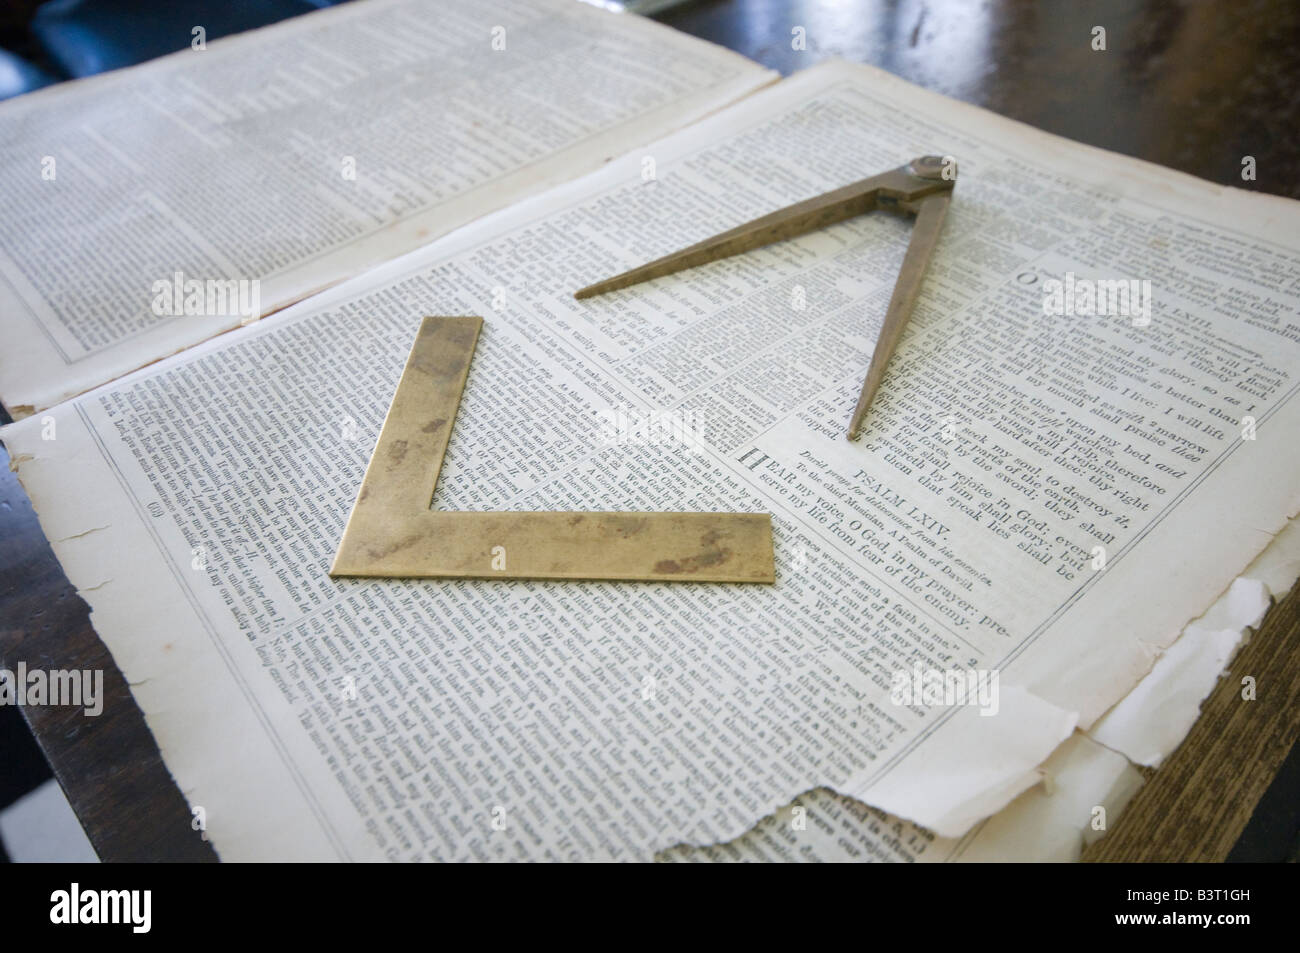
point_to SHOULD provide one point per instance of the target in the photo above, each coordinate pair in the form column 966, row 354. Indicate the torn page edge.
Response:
column 1084, row 787
column 966, row 781
column 1143, row 728
column 1154, row 718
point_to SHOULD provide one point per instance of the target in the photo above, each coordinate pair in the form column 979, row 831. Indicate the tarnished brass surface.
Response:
column 925, row 235
column 920, row 187
column 393, row 532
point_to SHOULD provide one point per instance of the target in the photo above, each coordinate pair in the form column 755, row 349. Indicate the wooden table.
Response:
column 1193, row 86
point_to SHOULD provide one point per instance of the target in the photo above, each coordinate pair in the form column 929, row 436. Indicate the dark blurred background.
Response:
column 1224, row 75
column 46, row 43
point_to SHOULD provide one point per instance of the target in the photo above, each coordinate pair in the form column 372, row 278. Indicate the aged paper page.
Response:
column 1152, row 720
column 313, row 718
column 1085, row 784
column 279, row 162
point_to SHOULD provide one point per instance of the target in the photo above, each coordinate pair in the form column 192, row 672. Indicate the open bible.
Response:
column 1071, row 496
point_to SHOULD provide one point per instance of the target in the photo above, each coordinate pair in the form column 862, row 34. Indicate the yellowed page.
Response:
column 151, row 208
column 520, row 720
column 1084, row 788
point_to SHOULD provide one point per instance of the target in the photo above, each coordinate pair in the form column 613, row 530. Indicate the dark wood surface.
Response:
column 1194, row 86
column 109, row 765
column 1190, row 84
